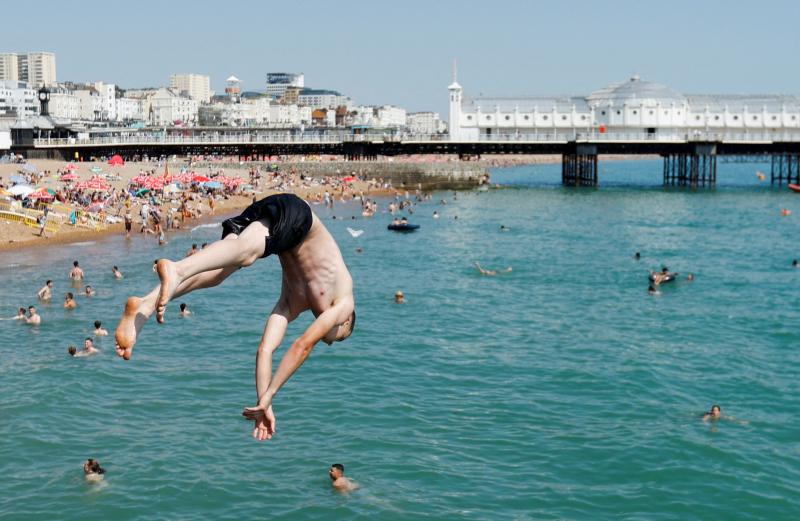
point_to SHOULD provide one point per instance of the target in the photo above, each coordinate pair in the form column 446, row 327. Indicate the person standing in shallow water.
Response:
column 76, row 273
column 315, row 278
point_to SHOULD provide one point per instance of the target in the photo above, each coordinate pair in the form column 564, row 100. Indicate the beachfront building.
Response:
column 130, row 110
column 64, row 103
column 17, row 100
column 9, row 66
column 424, row 123
column 380, row 116
column 278, row 82
column 167, row 108
column 634, row 106
column 196, row 86
column 322, row 99
column 37, row 68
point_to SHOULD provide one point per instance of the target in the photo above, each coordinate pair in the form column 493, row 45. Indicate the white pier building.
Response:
column 629, row 108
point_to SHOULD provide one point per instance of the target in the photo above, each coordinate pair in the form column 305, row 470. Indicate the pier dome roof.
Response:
column 637, row 90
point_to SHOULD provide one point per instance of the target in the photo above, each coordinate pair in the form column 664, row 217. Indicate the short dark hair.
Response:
column 183, row 306
column 115, row 267
column 338, row 466
column 48, row 282
column 70, row 295
column 353, row 321
column 22, row 309
column 30, row 307
column 75, row 263
column 97, row 324
column 72, row 350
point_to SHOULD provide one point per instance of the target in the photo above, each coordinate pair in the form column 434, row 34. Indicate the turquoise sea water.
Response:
column 560, row 390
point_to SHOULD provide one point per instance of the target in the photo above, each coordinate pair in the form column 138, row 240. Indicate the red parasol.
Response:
column 116, row 160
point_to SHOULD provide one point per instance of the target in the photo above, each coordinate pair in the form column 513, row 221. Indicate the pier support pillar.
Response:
column 579, row 168
column 785, row 168
column 694, row 169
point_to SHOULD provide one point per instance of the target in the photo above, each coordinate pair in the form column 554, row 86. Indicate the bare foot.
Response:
column 131, row 323
column 169, row 281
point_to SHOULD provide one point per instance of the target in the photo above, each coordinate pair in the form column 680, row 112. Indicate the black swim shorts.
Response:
column 289, row 219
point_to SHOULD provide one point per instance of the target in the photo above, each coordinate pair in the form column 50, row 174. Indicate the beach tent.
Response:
column 116, row 160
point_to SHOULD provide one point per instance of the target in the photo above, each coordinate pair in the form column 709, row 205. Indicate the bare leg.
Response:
column 138, row 310
column 238, row 253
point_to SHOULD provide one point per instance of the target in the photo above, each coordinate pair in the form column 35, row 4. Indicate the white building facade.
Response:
column 424, row 123
column 17, row 100
column 167, row 107
column 64, row 104
column 633, row 107
column 277, row 82
column 9, row 67
column 322, row 99
column 196, row 86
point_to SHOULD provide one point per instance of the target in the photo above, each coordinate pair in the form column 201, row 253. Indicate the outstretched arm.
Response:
column 296, row 355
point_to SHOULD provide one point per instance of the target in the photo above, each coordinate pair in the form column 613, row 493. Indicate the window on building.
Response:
column 794, row 118
column 508, row 118
column 527, row 118
column 774, row 118
column 651, row 113
column 755, row 118
column 618, row 113
column 666, row 112
column 469, row 118
column 583, row 118
column 563, row 118
column 697, row 118
column 735, row 118
column 716, row 118
column 635, row 112
column 544, row 117
column 488, row 117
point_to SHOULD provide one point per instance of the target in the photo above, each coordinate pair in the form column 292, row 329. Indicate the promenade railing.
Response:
column 338, row 137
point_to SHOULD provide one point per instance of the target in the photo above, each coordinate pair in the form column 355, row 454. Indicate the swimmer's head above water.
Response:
column 336, row 471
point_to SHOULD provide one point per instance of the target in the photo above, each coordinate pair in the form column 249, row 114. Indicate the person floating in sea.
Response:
column 338, row 479
column 796, row 263
column 33, row 317
column 69, row 301
column 46, row 292
column 185, row 310
column 98, row 329
column 484, row 271
column 399, row 298
column 92, row 471
column 435, row 214
column 76, row 273
column 690, row 277
column 315, row 278
column 504, row 228
column 88, row 349
column 19, row 316
column 651, row 290
column 89, row 292
column 664, row 276
column 637, row 256
column 116, row 272
column 714, row 414
column 786, row 212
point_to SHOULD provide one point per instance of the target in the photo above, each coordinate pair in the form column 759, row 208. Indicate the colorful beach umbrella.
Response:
column 71, row 166
column 71, row 176
column 116, row 160
column 200, row 179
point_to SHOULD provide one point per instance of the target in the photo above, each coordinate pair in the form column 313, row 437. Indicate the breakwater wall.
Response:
column 450, row 175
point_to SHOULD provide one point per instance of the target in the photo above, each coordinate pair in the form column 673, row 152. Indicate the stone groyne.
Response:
column 449, row 175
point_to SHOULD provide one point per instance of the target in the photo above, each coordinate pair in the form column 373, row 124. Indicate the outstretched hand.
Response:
column 264, row 419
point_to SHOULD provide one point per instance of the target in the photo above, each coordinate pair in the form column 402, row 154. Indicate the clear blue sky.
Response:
column 401, row 52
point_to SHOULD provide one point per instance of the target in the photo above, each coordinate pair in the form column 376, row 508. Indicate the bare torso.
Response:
column 314, row 273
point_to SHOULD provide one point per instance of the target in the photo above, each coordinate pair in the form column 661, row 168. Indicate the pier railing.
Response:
column 338, row 137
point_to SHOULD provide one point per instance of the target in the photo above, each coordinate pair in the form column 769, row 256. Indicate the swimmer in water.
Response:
column 92, row 471
column 690, row 277
column 184, row 310
column 69, row 301
column 88, row 349
column 503, row 228
column 714, row 414
column 664, row 276
column 637, row 256
column 33, row 317
column 484, row 271
column 786, row 212
column 339, row 481
column 89, row 292
column 116, row 272
column 399, row 298
column 19, row 316
column 46, row 292
column 98, row 329
column 76, row 273
column 651, row 290
column 796, row 263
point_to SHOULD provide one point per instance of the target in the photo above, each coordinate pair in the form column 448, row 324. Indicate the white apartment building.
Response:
column 196, row 86
column 64, row 104
column 17, row 100
column 91, row 106
column 9, row 67
column 322, row 99
column 166, row 107
column 37, row 68
column 424, row 123
column 108, row 102
column 130, row 109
